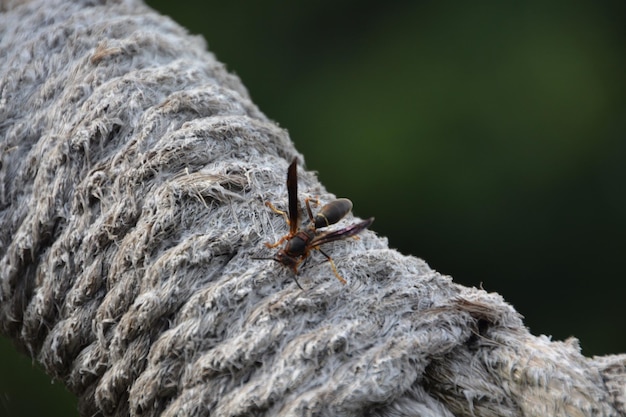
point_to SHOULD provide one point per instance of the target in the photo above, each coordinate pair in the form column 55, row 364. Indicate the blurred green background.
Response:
column 488, row 139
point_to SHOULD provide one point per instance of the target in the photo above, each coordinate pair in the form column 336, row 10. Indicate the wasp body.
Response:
column 301, row 240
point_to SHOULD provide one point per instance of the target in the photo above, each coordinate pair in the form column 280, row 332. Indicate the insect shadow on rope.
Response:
column 301, row 240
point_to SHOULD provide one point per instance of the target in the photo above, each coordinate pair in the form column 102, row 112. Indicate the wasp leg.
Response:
column 308, row 207
column 284, row 214
column 279, row 242
column 332, row 265
column 275, row 210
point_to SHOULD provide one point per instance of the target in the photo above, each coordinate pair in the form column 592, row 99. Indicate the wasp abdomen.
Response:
column 332, row 212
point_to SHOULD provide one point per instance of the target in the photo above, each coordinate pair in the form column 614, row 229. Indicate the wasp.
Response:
column 302, row 239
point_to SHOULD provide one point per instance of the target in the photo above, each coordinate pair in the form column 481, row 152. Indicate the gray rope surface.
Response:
column 134, row 172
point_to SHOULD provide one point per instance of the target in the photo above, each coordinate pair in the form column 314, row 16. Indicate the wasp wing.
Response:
column 292, row 190
column 346, row 232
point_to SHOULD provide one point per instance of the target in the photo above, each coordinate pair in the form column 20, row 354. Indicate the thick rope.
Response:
column 133, row 180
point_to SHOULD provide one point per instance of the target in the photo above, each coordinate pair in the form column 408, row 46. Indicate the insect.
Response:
column 301, row 240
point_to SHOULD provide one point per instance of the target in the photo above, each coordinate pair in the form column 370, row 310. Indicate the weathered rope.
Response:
column 134, row 172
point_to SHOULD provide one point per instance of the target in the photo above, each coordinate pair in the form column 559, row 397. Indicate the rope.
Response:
column 133, row 181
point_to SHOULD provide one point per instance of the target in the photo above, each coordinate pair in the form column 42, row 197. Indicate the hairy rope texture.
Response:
column 134, row 172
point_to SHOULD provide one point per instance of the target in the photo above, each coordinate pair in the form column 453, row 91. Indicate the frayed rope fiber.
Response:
column 133, row 181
